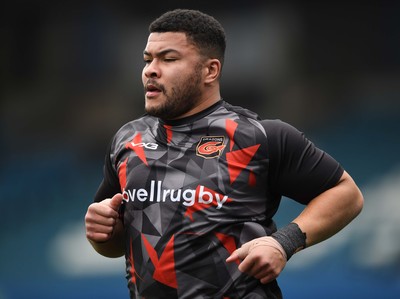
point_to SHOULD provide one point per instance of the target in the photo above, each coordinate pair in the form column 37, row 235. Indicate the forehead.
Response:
column 159, row 41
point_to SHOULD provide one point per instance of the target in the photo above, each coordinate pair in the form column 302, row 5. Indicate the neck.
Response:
column 207, row 101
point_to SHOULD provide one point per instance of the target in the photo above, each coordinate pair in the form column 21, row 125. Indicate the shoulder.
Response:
column 240, row 111
column 284, row 140
column 270, row 126
column 131, row 129
column 282, row 132
column 274, row 126
column 140, row 124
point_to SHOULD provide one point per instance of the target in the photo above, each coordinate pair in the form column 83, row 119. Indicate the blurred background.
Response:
column 71, row 76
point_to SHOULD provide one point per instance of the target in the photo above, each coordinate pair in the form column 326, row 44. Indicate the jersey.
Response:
column 196, row 189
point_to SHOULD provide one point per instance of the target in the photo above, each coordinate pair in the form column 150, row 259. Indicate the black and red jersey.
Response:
column 197, row 188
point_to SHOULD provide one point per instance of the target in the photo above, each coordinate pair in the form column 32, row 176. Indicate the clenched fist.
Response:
column 104, row 226
column 263, row 258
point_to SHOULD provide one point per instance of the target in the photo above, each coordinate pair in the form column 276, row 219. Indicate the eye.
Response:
column 170, row 59
column 147, row 60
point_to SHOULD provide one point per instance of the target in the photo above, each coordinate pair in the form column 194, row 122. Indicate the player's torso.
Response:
column 213, row 169
column 201, row 185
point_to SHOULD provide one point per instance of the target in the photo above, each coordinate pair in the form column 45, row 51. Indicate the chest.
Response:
column 206, row 168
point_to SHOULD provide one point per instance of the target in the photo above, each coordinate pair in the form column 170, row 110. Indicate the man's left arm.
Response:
column 325, row 215
column 330, row 211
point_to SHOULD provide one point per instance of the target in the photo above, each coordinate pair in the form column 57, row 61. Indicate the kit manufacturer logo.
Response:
column 151, row 146
column 210, row 146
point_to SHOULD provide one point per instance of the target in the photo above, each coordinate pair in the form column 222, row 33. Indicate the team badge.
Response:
column 210, row 146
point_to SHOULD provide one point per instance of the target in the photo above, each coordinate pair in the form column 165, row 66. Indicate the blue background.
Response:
column 70, row 76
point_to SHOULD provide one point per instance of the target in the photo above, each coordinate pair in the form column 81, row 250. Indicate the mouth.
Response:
column 152, row 90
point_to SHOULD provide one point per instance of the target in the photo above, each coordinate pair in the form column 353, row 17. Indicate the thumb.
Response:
column 233, row 257
column 239, row 253
column 115, row 202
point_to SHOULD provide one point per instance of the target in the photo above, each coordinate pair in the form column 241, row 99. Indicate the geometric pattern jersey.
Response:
column 196, row 189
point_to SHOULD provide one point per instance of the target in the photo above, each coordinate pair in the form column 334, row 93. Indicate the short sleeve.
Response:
column 109, row 186
column 298, row 169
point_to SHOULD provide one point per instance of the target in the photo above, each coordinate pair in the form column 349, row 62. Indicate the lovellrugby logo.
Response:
column 189, row 197
column 210, row 146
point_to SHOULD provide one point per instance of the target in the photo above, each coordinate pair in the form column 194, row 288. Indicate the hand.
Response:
column 262, row 258
column 101, row 218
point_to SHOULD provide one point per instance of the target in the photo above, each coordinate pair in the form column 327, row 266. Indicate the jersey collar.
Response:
column 194, row 117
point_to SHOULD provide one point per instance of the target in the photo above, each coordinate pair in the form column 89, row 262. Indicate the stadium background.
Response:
column 70, row 76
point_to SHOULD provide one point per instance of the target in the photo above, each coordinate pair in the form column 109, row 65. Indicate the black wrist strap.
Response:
column 291, row 238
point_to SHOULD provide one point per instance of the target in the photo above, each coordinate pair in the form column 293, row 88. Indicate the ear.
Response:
column 212, row 70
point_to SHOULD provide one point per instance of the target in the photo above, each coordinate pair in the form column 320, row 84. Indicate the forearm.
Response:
column 331, row 211
column 115, row 246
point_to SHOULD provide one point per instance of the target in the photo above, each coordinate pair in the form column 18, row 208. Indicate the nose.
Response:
column 151, row 70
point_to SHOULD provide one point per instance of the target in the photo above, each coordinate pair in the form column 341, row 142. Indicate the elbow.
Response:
column 355, row 202
column 358, row 201
column 355, row 198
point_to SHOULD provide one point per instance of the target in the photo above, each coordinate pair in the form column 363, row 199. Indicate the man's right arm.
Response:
column 104, row 228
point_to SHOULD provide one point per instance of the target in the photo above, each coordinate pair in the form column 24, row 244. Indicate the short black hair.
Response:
column 203, row 30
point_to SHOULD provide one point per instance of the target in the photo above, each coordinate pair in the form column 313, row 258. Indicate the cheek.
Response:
column 178, row 76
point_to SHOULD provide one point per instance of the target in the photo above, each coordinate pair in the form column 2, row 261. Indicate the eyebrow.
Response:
column 162, row 53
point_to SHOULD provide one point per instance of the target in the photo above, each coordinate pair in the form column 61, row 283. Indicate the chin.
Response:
column 150, row 104
column 151, row 109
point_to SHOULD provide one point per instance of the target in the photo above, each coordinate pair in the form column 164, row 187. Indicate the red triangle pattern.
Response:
column 252, row 179
column 238, row 160
column 131, row 261
column 137, row 146
column 165, row 266
column 230, row 130
column 122, row 174
column 228, row 242
column 168, row 130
